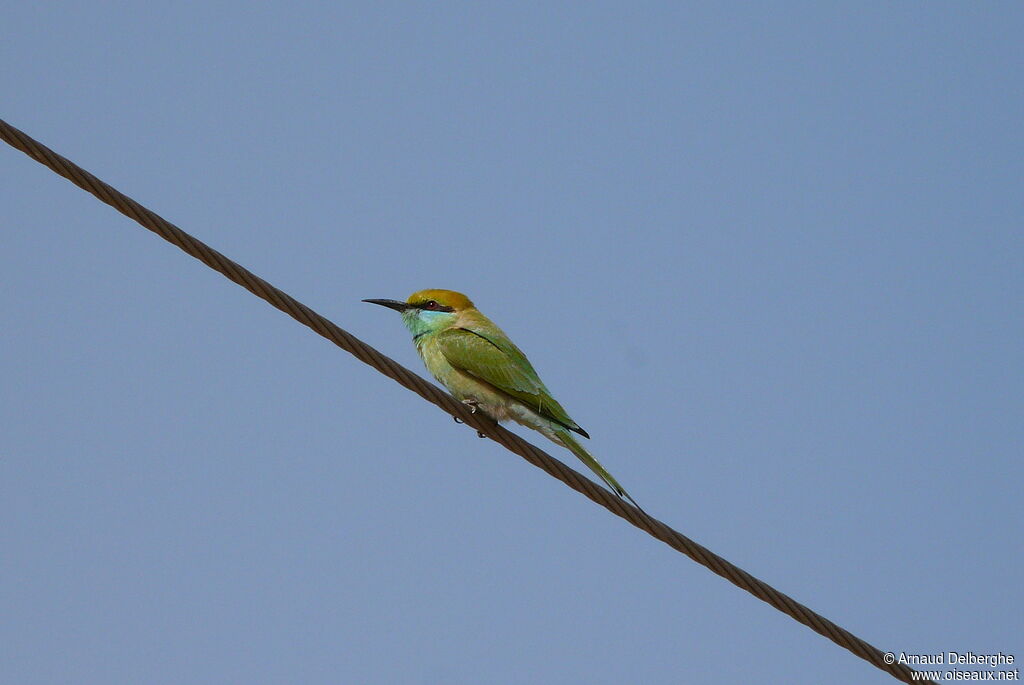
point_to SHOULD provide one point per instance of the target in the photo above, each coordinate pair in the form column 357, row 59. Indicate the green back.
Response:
column 493, row 358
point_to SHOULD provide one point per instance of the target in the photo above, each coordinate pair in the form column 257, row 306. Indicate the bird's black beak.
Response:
column 391, row 304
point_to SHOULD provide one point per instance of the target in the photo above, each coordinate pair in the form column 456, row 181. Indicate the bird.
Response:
column 482, row 368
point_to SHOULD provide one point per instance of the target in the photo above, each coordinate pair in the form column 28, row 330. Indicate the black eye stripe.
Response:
column 434, row 306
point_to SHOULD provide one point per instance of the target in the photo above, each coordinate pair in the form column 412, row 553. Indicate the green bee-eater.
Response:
column 482, row 368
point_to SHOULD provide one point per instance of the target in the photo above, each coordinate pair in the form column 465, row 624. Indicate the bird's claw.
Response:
column 473, row 406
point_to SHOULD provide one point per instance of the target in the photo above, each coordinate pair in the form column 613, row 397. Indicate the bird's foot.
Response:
column 473, row 406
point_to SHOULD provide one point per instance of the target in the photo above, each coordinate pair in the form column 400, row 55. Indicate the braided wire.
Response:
column 430, row 392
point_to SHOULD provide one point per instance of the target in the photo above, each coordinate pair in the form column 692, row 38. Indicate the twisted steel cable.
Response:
column 430, row 392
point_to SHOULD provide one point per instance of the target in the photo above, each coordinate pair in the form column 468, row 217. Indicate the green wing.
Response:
column 496, row 360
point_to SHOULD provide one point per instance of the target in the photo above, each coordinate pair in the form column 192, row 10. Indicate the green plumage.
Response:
column 496, row 360
column 483, row 368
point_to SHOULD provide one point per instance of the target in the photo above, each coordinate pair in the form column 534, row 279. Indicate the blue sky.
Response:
column 769, row 256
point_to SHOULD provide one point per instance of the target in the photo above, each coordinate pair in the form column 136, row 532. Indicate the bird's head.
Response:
column 429, row 311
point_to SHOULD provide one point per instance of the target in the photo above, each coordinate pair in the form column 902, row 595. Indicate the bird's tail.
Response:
column 570, row 443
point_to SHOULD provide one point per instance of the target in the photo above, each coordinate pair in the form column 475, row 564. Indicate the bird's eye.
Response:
column 431, row 304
